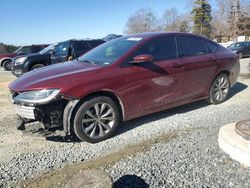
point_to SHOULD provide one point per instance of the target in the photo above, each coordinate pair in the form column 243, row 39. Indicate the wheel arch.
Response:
column 227, row 72
column 106, row 93
column 35, row 63
column 4, row 59
column 69, row 118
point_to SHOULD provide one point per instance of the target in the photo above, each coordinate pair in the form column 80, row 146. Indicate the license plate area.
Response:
column 26, row 112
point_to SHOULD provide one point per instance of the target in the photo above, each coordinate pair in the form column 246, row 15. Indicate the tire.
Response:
column 219, row 89
column 7, row 64
column 96, row 119
column 37, row 66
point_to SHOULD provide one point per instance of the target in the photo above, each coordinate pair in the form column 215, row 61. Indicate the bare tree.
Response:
column 171, row 20
column 228, row 15
column 143, row 20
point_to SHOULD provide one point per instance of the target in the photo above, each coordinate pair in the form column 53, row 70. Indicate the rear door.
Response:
column 79, row 48
column 199, row 63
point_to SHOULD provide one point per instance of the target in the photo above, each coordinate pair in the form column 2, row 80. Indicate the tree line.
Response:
column 4, row 48
column 226, row 21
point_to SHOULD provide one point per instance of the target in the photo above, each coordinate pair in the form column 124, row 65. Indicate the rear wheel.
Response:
column 37, row 66
column 96, row 119
column 7, row 64
column 219, row 90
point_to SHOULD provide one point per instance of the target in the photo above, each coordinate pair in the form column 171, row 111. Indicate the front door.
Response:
column 61, row 52
column 154, row 85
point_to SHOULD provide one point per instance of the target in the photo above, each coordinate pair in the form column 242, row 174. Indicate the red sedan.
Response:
column 123, row 79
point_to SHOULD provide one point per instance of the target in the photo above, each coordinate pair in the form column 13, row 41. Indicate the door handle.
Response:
column 177, row 65
column 212, row 59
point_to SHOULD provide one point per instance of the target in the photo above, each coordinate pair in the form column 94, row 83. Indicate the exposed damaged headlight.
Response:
column 37, row 96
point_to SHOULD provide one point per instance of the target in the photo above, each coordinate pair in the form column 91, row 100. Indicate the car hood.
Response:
column 7, row 55
column 62, row 76
column 34, row 56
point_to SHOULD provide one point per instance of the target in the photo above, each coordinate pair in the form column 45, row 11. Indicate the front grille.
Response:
column 25, row 111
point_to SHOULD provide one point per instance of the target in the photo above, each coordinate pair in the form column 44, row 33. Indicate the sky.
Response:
column 24, row 22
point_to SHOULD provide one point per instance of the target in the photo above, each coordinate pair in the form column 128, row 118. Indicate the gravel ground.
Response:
column 193, row 158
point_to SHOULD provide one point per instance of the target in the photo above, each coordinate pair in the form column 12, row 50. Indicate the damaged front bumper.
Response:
column 54, row 116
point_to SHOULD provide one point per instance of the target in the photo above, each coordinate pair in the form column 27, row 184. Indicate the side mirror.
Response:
column 21, row 53
column 142, row 58
column 51, row 52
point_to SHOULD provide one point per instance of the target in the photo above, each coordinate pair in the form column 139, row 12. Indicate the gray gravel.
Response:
column 192, row 159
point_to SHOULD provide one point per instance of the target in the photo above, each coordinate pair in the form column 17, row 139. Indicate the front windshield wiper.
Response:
column 86, row 61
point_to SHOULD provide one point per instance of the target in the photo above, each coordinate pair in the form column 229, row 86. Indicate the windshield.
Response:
column 235, row 45
column 47, row 49
column 18, row 49
column 109, row 52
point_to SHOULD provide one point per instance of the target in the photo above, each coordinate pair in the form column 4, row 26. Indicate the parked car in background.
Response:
column 111, row 37
column 122, row 79
column 63, row 51
column 5, row 59
column 25, row 63
column 241, row 48
column 71, row 49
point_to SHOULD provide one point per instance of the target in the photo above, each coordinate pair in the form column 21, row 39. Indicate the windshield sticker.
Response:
column 134, row 39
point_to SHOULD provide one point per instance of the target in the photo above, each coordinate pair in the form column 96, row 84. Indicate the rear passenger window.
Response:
column 35, row 49
column 212, row 47
column 160, row 48
column 192, row 46
column 80, row 46
column 95, row 43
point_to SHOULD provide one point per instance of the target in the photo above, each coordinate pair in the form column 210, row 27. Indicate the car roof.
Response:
column 156, row 34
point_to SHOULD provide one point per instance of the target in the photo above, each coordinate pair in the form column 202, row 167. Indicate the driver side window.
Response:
column 160, row 48
column 62, row 48
column 25, row 50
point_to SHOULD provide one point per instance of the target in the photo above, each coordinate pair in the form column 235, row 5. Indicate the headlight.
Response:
column 20, row 60
column 38, row 96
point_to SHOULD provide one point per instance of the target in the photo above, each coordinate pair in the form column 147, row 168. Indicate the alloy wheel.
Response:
column 98, row 120
column 221, row 88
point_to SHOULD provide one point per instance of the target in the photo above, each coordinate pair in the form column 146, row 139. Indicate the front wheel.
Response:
column 7, row 64
column 96, row 119
column 219, row 90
